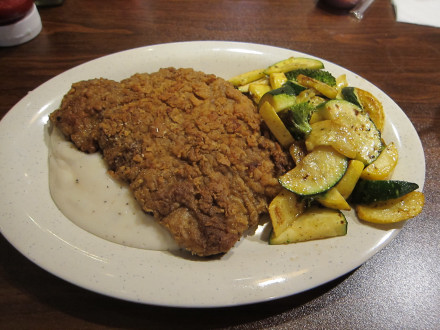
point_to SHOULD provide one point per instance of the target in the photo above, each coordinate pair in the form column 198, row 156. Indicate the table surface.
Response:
column 397, row 288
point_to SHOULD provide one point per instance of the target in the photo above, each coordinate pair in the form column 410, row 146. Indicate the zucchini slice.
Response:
column 305, row 95
column 257, row 91
column 275, row 125
column 296, row 87
column 319, row 171
column 323, row 88
column 284, row 209
column 350, row 94
column 383, row 166
column 315, row 223
column 277, row 79
column 261, row 81
column 297, row 152
column 293, row 63
column 341, row 82
column 247, row 77
column 368, row 102
column 333, row 199
column 370, row 191
column 393, row 210
column 363, row 134
column 334, row 134
column 280, row 98
column 346, row 185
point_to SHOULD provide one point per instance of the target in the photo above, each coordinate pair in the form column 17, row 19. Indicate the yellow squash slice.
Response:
column 247, row 77
column 346, row 185
column 373, row 107
column 333, row 200
column 315, row 223
column 321, row 87
column 275, row 124
column 277, row 79
column 284, row 209
column 383, row 166
column 392, row 210
column 293, row 63
column 257, row 91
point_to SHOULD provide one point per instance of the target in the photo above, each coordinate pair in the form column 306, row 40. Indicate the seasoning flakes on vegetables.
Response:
column 334, row 133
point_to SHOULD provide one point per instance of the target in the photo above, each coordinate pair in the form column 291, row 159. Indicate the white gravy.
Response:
column 89, row 197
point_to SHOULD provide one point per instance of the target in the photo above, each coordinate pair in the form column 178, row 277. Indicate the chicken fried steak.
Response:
column 80, row 112
column 191, row 148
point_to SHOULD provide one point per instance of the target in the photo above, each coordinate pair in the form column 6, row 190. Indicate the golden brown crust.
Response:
column 81, row 110
column 192, row 151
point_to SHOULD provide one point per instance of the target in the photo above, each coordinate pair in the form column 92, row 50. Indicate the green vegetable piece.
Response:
column 279, row 98
column 364, row 134
column 296, row 118
column 316, row 173
column 293, row 63
column 283, row 97
column 321, row 75
column 315, row 223
column 297, row 88
column 370, row 191
column 349, row 94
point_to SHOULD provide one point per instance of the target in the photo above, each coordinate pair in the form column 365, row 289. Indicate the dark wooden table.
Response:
column 398, row 288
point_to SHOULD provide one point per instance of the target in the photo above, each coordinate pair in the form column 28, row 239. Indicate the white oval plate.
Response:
column 251, row 272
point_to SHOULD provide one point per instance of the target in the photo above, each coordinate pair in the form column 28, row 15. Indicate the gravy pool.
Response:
column 90, row 198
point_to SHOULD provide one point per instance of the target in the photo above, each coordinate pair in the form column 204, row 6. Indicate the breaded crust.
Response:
column 80, row 113
column 194, row 152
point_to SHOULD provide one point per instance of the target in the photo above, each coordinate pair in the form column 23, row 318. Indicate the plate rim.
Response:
column 129, row 296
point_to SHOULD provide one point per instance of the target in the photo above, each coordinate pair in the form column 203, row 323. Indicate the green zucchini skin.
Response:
column 297, row 88
column 349, row 94
column 308, row 178
column 287, row 88
column 370, row 191
column 280, row 98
